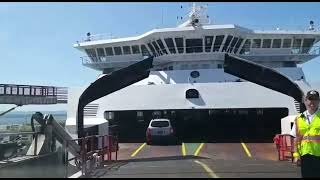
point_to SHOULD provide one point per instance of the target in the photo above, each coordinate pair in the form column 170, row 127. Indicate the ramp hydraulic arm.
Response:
column 110, row 83
column 263, row 76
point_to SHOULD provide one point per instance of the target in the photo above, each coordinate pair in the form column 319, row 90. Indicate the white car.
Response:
column 160, row 130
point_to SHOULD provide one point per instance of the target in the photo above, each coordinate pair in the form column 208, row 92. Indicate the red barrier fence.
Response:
column 93, row 151
column 285, row 146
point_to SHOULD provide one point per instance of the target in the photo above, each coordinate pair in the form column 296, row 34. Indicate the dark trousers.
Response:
column 310, row 166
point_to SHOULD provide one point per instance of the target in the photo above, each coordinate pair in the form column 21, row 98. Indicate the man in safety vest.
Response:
column 306, row 129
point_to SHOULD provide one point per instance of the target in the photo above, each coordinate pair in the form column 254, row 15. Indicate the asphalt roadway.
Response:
column 199, row 160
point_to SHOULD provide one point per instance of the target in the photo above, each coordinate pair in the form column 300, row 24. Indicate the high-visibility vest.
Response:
column 310, row 142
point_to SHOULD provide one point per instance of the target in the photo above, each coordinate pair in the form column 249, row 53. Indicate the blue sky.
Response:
column 36, row 39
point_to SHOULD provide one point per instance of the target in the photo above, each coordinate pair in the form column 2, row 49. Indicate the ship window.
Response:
column 117, row 50
column 307, row 43
column 144, row 50
column 289, row 64
column 163, row 49
column 296, row 46
column 219, row 66
column 237, row 45
column 256, row 43
column 266, row 43
column 226, row 44
column 170, row 45
column 286, row 43
column 100, row 52
column 170, row 67
column 217, row 43
column 205, row 66
column 194, row 66
column 109, row 51
column 126, row 50
column 155, row 45
column 139, row 113
column 208, row 43
column 276, row 43
column 233, row 42
column 179, row 43
column 246, row 47
column 109, row 115
column 192, row 93
column 152, row 49
column 194, row 45
column 92, row 54
column 135, row 49
column 184, row 66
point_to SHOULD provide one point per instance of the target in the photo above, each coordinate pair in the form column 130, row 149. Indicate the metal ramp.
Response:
column 32, row 94
column 40, row 144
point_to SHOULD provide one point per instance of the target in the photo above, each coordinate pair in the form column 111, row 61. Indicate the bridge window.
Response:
column 144, row 50
column 276, row 43
column 194, row 45
column 179, row 43
column 226, row 44
column 155, row 45
column 286, row 43
column 135, row 49
column 256, row 43
column 100, row 52
column 117, row 50
column 235, row 39
column 237, row 45
column 126, row 50
column 152, row 49
column 208, row 43
column 246, row 47
column 163, row 49
column 217, row 43
column 296, row 46
column 109, row 51
column 192, row 93
column 307, row 44
column 266, row 43
column 92, row 54
column 170, row 45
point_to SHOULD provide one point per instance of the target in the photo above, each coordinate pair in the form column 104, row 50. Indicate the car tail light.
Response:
column 148, row 133
column 171, row 131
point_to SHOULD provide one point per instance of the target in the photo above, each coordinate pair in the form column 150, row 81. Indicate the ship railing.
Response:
column 110, row 59
column 27, row 90
column 94, row 151
column 97, row 37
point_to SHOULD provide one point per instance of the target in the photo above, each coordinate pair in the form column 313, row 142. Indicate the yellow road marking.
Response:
column 198, row 149
column 136, row 152
column 183, row 149
column 209, row 171
column 246, row 149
